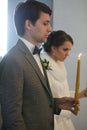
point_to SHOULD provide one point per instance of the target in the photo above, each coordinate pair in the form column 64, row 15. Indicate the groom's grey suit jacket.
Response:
column 26, row 101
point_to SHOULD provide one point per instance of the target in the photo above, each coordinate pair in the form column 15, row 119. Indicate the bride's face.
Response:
column 60, row 53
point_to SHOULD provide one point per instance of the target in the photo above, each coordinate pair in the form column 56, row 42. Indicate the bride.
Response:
column 57, row 48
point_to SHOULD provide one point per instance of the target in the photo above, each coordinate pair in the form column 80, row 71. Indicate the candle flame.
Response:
column 80, row 55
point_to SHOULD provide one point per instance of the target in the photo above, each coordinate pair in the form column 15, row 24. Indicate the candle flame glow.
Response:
column 80, row 55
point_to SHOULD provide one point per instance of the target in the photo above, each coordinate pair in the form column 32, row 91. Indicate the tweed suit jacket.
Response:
column 26, row 101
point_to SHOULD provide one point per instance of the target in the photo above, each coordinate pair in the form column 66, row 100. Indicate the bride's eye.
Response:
column 65, row 49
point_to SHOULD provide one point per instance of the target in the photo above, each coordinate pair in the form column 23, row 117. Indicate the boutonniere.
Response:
column 46, row 64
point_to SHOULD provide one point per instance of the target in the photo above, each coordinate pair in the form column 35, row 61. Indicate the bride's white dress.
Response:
column 60, row 88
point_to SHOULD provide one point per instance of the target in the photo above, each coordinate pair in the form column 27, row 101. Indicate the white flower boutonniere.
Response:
column 46, row 64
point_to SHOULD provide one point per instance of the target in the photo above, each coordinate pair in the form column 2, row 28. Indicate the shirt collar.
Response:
column 29, row 45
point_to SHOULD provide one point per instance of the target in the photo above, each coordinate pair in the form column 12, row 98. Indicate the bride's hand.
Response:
column 83, row 93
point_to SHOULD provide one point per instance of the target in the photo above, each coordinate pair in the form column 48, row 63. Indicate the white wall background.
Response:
column 71, row 16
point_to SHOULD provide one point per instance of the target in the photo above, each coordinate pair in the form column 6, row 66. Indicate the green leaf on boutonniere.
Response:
column 46, row 64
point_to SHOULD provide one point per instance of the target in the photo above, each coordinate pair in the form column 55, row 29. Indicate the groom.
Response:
column 26, row 100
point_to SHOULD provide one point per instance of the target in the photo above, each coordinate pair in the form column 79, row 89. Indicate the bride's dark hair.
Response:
column 56, row 38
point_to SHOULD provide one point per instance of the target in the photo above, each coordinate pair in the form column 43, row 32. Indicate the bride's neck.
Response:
column 53, row 56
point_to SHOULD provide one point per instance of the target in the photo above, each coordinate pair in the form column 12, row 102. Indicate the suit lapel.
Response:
column 32, row 61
